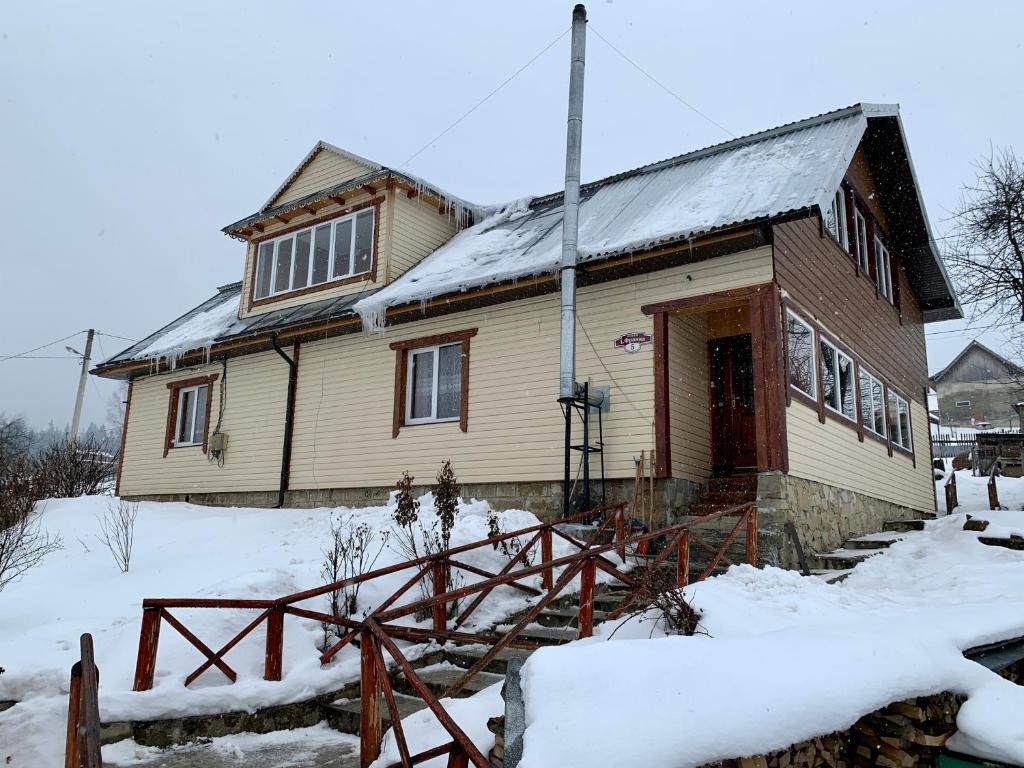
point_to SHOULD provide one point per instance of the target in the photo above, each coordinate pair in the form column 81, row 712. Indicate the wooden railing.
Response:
column 993, row 492
column 82, row 747
column 376, row 633
column 950, row 489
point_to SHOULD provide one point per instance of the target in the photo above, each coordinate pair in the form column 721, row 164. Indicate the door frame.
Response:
column 718, row 467
column 766, row 330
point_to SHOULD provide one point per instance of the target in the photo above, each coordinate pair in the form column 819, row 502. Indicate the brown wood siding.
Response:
column 818, row 280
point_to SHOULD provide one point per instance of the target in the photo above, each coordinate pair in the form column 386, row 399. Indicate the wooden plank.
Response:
column 149, row 637
column 587, row 583
column 371, row 726
column 274, row 661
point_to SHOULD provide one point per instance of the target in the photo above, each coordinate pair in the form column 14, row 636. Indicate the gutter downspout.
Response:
column 289, row 416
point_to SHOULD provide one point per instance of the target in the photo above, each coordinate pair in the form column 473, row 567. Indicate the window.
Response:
column 435, row 381
column 860, row 235
column 800, row 354
column 191, row 415
column 872, row 404
column 963, row 403
column 835, row 219
column 883, row 270
column 331, row 251
column 188, row 412
column 899, row 421
column 837, row 383
column 432, row 380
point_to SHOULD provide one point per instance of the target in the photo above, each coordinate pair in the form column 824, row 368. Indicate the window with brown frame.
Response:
column 432, row 380
column 188, row 413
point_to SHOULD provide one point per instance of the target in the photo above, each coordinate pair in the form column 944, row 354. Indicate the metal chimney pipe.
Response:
column 570, row 217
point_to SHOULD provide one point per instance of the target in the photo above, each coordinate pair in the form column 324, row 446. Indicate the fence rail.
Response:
column 82, row 747
column 376, row 633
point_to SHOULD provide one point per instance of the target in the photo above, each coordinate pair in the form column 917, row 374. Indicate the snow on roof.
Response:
column 767, row 174
column 197, row 329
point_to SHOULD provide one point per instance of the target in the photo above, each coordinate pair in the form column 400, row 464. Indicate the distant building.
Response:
column 980, row 388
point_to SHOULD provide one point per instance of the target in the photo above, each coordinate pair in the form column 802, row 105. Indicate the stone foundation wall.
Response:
column 824, row 516
column 544, row 499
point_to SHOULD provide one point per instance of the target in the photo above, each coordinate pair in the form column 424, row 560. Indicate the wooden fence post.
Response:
column 620, row 532
column 439, row 611
column 683, row 559
column 371, row 729
column 273, row 664
column 547, row 578
column 457, row 757
column 993, row 493
column 89, row 717
column 72, row 757
column 752, row 535
column 588, row 579
column 149, row 636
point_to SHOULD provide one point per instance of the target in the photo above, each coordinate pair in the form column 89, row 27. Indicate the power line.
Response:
column 114, row 336
column 658, row 83
column 480, row 103
column 41, row 346
column 40, row 357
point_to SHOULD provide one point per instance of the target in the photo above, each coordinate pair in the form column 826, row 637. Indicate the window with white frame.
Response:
column 434, row 387
column 800, row 354
column 835, row 219
column 319, row 254
column 838, row 387
column 191, row 423
column 883, row 270
column 860, row 238
column 872, row 404
column 899, row 421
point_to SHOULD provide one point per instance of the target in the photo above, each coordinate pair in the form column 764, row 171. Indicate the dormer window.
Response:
column 334, row 250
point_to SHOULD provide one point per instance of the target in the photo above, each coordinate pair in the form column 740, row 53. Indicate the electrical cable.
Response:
column 114, row 336
column 41, row 346
column 480, row 103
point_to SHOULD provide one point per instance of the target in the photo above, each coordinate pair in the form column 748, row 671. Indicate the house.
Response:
column 755, row 309
column 978, row 387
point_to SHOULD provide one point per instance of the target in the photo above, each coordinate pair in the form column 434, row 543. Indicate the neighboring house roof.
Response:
column 1010, row 366
column 785, row 170
column 765, row 175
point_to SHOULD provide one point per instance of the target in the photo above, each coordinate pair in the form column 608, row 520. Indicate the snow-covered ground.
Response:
column 784, row 658
column 183, row 550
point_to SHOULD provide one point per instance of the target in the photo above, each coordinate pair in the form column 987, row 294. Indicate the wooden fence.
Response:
column 82, row 746
column 376, row 633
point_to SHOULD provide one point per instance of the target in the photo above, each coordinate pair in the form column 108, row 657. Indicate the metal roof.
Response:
column 755, row 178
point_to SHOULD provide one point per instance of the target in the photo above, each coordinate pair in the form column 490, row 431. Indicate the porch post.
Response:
column 769, row 382
column 662, row 443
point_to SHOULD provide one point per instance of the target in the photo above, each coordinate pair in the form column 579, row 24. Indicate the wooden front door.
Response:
column 733, row 439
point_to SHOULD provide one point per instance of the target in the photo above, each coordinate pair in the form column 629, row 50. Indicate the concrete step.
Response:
column 844, row 559
column 544, row 635
column 903, row 526
column 733, row 483
column 569, row 616
column 702, row 508
column 880, row 540
column 730, row 497
column 343, row 714
column 441, row 677
column 831, row 576
column 467, row 656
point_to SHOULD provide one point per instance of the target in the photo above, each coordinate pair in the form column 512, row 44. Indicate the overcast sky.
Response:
column 132, row 132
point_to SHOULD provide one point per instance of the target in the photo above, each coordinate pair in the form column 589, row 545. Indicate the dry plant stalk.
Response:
column 117, row 531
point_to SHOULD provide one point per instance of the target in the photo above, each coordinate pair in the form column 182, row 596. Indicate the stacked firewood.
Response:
column 906, row 734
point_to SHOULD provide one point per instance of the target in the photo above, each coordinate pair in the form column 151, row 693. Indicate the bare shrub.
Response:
column 352, row 551
column 658, row 591
column 67, row 469
column 23, row 543
column 510, row 547
column 446, row 501
column 117, row 531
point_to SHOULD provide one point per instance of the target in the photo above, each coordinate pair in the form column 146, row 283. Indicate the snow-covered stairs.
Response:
column 836, row 565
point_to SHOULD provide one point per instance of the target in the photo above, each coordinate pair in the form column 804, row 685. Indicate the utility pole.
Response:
column 81, row 386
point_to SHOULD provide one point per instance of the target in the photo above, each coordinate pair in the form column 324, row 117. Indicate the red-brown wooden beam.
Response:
column 662, row 427
column 371, row 728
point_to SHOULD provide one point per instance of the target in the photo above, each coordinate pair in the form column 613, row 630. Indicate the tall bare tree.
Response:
column 987, row 255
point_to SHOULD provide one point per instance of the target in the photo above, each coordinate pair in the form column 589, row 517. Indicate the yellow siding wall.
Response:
column 324, row 170
column 418, row 230
column 830, row 453
column 346, row 386
column 327, row 293
column 689, row 414
column 253, row 419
